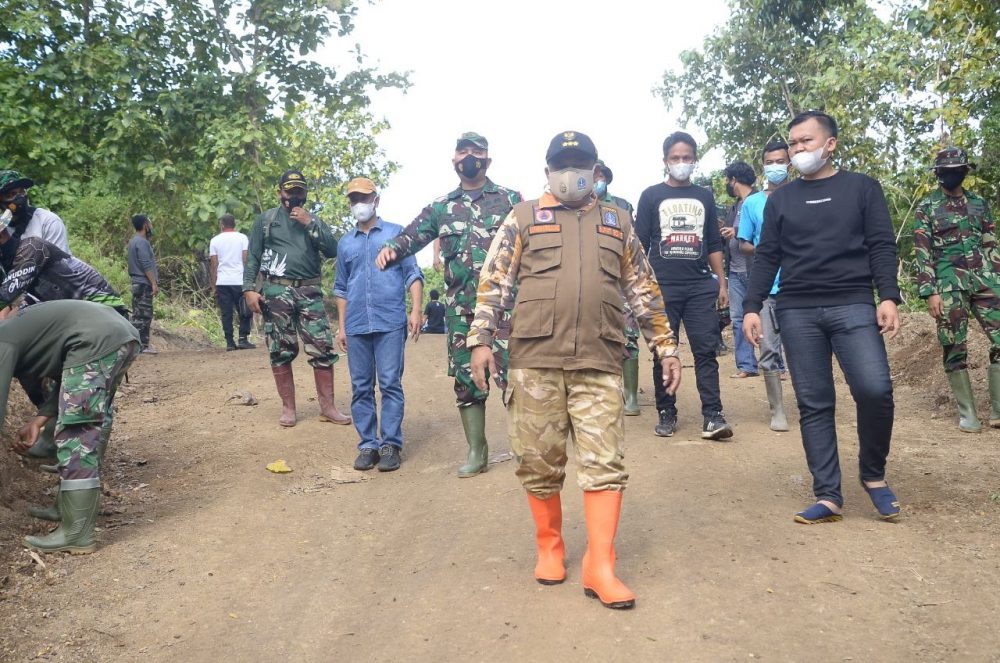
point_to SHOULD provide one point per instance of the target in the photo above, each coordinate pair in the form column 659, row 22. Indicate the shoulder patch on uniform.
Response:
column 611, row 232
column 609, row 217
column 538, row 229
column 543, row 215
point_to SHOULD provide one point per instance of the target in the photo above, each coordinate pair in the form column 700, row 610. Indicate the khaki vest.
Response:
column 568, row 312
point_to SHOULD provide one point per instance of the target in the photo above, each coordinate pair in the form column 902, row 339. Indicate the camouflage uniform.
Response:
column 297, row 310
column 466, row 228
column 142, row 310
column 956, row 256
column 86, row 413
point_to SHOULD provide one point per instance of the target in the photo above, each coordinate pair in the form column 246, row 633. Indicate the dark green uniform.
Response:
column 290, row 256
column 466, row 228
column 955, row 249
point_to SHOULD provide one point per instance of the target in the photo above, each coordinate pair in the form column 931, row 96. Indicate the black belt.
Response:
column 294, row 283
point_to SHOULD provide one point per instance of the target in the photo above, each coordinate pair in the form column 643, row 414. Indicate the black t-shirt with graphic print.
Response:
column 678, row 229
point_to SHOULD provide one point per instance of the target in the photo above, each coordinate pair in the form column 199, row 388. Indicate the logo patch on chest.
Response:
column 543, row 215
column 609, row 218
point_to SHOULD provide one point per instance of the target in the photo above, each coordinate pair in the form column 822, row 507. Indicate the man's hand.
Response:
column 482, row 366
column 888, row 319
column 253, row 300
column 723, row 294
column 7, row 313
column 751, row 328
column 155, row 288
column 385, row 257
column 671, row 374
column 438, row 263
column 727, row 232
column 342, row 339
column 28, row 435
column 416, row 322
column 935, row 306
column 299, row 215
column 215, row 292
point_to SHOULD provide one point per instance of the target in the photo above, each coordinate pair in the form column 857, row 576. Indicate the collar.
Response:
column 548, row 201
column 229, row 230
column 375, row 226
column 488, row 187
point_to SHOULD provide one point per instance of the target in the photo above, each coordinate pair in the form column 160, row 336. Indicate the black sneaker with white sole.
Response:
column 666, row 425
column 388, row 458
column 716, row 428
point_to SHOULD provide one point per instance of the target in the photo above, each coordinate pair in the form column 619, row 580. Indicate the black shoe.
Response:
column 230, row 347
column 723, row 349
column 716, row 428
column 667, row 424
column 245, row 345
column 388, row 458
column 366, row 460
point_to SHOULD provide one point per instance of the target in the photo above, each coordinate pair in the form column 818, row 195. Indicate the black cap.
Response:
column 571, row 140
column 292, row 179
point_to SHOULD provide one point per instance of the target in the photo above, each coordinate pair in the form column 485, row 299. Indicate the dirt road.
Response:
column 206, row 556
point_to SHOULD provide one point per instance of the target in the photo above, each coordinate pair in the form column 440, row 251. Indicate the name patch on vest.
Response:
column 546, row 228
column 611, row 232
column 543, row 216
column 609, row 217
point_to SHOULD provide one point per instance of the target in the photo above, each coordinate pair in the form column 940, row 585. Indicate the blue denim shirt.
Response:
column 376, row 299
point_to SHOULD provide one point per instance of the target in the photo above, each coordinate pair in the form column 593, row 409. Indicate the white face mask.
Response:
column 571, row 184
column 808, row 163
column 681, row 171
column 362, row 211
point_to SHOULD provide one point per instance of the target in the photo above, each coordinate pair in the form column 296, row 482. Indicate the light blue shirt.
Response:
column 376, row 299
column 752, row 222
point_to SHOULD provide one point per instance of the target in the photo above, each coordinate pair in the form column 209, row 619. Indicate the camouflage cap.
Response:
column 952, row 157
column 608, row 175
column 474, row 138
column 11, row 179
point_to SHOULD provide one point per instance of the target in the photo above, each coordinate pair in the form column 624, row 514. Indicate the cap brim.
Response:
column 358, row 189
column 293, row 185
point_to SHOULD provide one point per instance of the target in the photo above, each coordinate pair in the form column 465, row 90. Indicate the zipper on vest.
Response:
column 579, row 283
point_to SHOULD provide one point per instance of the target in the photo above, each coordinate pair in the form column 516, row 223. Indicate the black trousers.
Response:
column 228, row 297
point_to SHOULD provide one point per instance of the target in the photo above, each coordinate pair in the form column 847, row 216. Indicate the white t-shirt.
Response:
column 229, row 247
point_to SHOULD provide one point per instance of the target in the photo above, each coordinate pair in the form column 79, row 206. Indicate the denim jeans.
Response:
column 812, row 336
column 372, row 357
column 695, row 307
column 743, row 350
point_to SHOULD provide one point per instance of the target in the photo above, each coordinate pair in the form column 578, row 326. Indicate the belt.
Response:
column 294, row 283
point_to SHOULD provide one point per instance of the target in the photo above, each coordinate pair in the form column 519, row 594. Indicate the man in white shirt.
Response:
column 227, row 255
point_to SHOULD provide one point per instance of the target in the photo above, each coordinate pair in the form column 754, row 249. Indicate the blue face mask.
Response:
column 776, row 173
column 600, row 188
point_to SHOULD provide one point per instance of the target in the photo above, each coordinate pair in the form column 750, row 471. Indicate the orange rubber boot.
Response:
column 550, row 569
column 285, row 381
column 324, row 394
column 602, row 509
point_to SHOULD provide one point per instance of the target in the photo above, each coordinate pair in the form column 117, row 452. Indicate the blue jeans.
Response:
column 811, row 336
column 745, row 358
column 370, row 357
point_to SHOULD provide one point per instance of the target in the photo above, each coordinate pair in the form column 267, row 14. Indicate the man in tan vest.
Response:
column 571, row 257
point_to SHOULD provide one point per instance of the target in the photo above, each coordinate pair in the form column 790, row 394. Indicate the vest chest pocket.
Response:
column 534, row 310
column 610, row 255
column 542, row 253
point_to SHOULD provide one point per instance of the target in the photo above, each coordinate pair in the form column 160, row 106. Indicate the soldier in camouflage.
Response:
column 630, row 362
column 958, row 273
column 465, row 221
column 287, row 245
column 571, row 258
column 86, row 348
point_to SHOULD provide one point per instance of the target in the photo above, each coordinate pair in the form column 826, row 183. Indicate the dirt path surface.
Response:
column 206, row 556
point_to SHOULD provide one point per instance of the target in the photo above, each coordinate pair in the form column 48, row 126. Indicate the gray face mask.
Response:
column 571, row 184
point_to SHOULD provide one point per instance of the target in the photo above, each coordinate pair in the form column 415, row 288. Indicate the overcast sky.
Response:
column 519, row 72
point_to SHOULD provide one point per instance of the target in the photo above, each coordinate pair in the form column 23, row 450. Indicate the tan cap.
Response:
column 360, row 185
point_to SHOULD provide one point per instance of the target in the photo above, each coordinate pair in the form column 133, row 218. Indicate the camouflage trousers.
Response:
column 142, row 310
column 86, row 412
column 460, row 358
column 631, row 334
column 297, row 311
column 953, row 327
column 546, row 406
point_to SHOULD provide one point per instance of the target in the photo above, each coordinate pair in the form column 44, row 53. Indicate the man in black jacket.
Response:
column 830, row 233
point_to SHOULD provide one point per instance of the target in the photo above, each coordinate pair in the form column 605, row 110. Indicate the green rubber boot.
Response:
column 75, row 534
column 474, row 423
column 961, row 386
column 45, row 446
column 994, row 395
column 630, row 380
column 46, row 512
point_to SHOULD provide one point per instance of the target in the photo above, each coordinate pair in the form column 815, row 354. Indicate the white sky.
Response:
column 519, row 72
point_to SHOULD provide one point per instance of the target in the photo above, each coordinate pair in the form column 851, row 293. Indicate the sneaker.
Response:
column 244, row 344
column 716, row 428
column 230, row 347
column 388, row 458
column 366, row 460
column 667, row 424
column 148, row 350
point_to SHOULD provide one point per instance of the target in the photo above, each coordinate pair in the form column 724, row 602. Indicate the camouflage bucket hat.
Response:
column 952, row 157
column 11, row 179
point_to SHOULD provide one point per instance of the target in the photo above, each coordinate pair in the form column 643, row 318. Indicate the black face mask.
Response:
column 21, row 206
column 295, row 201
column 470, row 166
column 951, row 179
